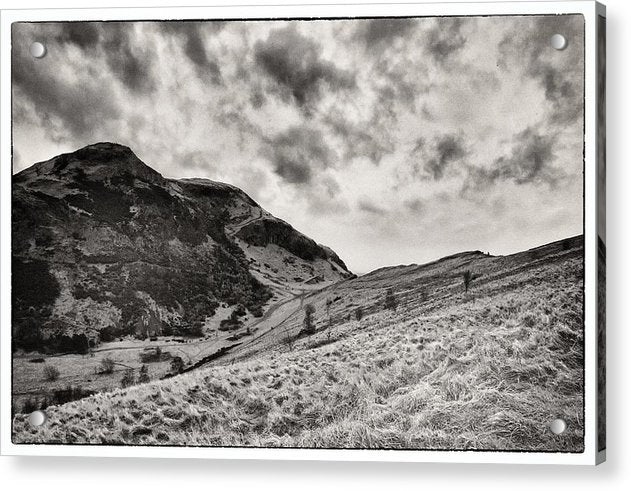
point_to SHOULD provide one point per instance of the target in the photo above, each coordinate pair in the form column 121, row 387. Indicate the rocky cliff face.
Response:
column 103, row 245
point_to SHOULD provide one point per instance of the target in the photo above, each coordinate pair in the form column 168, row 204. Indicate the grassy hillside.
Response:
column 486, row 369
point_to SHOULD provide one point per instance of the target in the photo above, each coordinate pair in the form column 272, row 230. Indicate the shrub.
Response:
column 290, row 341
column 231, row 323
column 50, row 373
column 240, row 310
column 107, row 334
column 256, row 311
column 391, row 301
column 153, row 355
column 177, row 365
column 77, row 343
column 69, row 394
column 107, row 365
column 308, row 323
column 29, row 406
column 143, row 377
column 197, row 329
column 467, row 278
column 128, row 379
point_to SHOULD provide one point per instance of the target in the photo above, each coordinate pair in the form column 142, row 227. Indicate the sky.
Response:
column 392, row 141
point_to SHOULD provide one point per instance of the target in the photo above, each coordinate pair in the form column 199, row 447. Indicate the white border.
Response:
column 587, row 8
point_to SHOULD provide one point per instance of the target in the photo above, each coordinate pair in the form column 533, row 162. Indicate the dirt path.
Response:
column 233, row 231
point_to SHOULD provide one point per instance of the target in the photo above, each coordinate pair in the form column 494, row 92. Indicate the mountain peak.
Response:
column 102, row 160
column 105, row 148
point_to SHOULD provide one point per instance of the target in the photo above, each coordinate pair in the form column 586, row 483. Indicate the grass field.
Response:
column 487, row 369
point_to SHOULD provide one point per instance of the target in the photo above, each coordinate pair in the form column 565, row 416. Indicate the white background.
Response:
column 53, row 473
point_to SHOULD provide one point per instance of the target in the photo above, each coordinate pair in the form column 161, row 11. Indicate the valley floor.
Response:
column 487, row 369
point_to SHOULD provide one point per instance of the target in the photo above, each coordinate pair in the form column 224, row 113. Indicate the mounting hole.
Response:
column 38, row 50
column 558, row 426
column 37, row 418
column 558, row 41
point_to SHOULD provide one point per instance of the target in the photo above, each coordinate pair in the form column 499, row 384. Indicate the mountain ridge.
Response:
column 123, row 250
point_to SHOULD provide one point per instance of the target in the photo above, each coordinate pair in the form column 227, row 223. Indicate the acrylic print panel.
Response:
column 334, row 233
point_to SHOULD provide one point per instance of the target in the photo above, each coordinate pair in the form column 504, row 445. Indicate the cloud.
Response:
column 196, row 160
column 69, row 108
column 331, row 125
column 294, row 63
column 84, row 35
column 370, row 139
column 364, row 204
column 324, row 197
column 530, row 161
column 127, row 59
column 297, row 152
column 436, row 156
column 445, row 38
column 560, row 73
column 381, row 32
column 415, row 205
column 116, row 42
column 192, row 34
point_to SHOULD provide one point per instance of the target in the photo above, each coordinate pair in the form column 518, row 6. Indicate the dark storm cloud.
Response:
column 295, row 65
column 299, row 152
column 130, row 62
column 445, row 39
column 115, row 41
column 438, row 155
column 530, row 161
column 79, row 106
column 84, row 35
column 381, row 32
column 560, row 73
column 192, row 34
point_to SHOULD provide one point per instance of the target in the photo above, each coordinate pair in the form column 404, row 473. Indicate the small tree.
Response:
column 29, row 406
column 143, row 377
column 309, row 324
column 329, row 302
column 50, row 373
column 391, row 300
column 290, row 340
column 359, row 313
column 107, row 365
column 128, row 379
column 197, row 329
column 177, row 365
column 468, row 277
